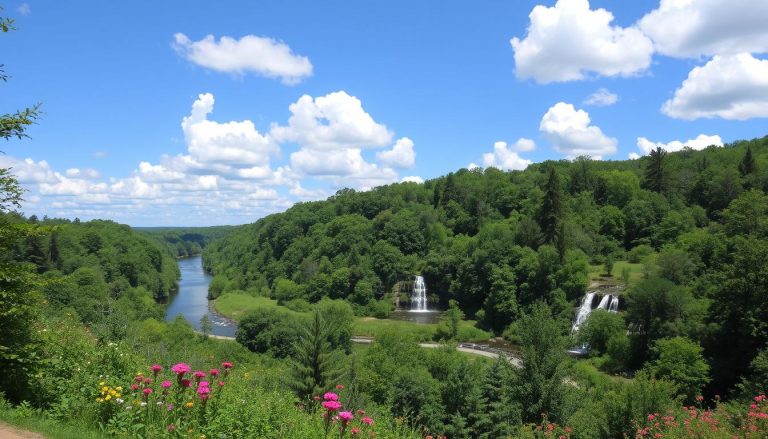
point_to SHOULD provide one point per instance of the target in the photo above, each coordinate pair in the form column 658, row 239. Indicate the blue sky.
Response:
column 195, row 113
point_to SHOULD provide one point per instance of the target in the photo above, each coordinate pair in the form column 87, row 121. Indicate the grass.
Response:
column 234, row 305
column 421, row 332
column 597, row 273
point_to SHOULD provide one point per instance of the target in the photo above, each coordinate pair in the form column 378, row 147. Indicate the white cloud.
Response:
column 634, row 156
column 700, row 142
column 568, row 41
column 400, row 156
column 84, row 174
column 687, row 28
column 506, row 158
column 24, row 9
column 602, row 98
column 28, row 171
column 336, row 120
column 260, row 55
column 570, row 132
column 729, row 87
column 229, row 142
column 226, row 174
column 412, row 179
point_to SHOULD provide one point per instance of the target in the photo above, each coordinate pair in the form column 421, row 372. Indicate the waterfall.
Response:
column 604, row 302
column 583, row 313
column 614, row 306
column 419, row 295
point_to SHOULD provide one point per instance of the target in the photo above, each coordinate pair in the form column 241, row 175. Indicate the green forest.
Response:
column 674, row 243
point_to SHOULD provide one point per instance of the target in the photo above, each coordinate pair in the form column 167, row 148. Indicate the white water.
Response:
column 614, row 306
column 604, row 302
column 419, row 295
column 583, row 314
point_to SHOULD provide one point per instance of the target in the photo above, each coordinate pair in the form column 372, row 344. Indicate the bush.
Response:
column 637, row 254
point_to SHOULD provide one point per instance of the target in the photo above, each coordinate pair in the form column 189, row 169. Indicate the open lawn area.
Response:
column 235, row 306
column 597, row 273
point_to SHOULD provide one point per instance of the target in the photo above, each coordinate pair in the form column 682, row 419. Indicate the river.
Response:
column 192, row 299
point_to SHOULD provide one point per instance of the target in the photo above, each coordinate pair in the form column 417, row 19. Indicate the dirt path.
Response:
column 8, row 432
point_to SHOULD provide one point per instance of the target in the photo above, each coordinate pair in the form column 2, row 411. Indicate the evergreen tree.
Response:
column 656, row 175
column 538, row 385
column 552, row 208
column 313, row 360
column 498, row 413
column 747, row 164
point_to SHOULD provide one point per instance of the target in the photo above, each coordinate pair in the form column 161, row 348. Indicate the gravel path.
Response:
column 8, row 432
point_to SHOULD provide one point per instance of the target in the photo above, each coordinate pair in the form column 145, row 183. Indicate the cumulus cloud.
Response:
column 506, row 157
column 602, row 98
column 400, row 156
column 229, row 142
column 700, row 142
column 634, row 156
column 570, row 132
column 728, row 87
column 261, row 55
column 336, row 120
column 226, row 174
column 332, row 131
column 569, row 41
column 685, row 28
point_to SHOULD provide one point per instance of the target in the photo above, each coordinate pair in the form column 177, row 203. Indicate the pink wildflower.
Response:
column 346, row 416
column 156, row 368
column 185, row 383
column 204, row 392
column 221, row 383
column 199, row 374
column 340, row 386
column 330, row 396
column 147, row 391
column 166, row 384
column 181, row 368
column 214, row 372
column 203, row 384
column 367, row 421
column 134, row 387
column 226, row 365
column 147, row 380
column 355, row 431
column 331, row 406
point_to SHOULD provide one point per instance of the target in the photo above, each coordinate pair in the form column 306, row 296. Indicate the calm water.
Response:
column 192, row 299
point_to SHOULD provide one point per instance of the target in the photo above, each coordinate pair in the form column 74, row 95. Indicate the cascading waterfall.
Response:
column 604, row 302
column 583, row 313
column 614, row 306
column 419, row 295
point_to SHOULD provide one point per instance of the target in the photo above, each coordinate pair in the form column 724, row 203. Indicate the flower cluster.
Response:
column 156, row 406
column 702, row 422
column 333, row 415
column 109, row 394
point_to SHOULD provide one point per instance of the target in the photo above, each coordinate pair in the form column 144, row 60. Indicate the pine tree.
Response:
column 313, row 360
column 656, row 176
column 497, row 413
column 747, row 164
column 552, row 209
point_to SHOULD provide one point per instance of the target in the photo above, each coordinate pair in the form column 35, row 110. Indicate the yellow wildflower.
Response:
column 99, row 400
column 189, row 405
column 119, row 388
column 105, row 389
